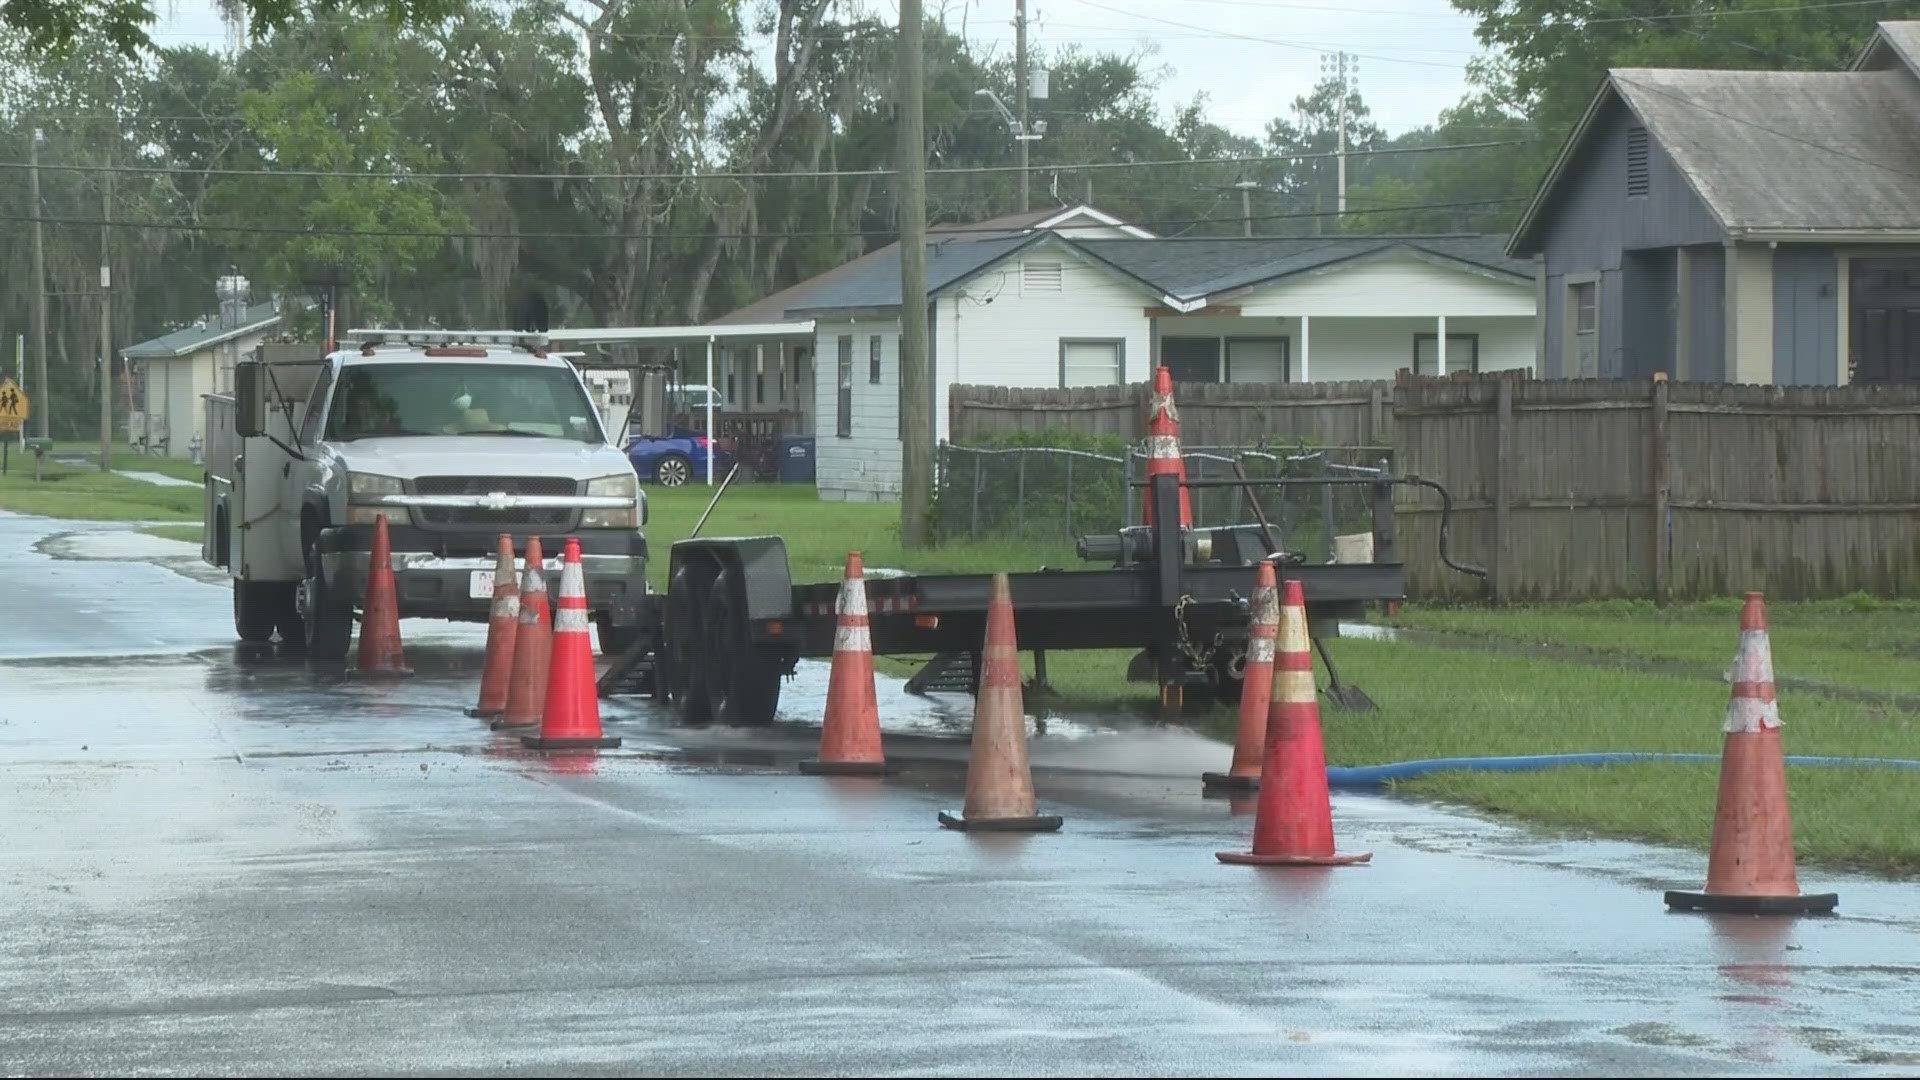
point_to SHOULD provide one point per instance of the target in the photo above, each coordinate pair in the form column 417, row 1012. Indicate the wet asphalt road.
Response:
column 223, row 863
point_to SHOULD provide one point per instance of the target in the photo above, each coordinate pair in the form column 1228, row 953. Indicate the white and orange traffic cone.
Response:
column 571, row 718
column 1256, row 689
column 850, row 731
column 380, row 653
column 1163, row 445
column 1293, row 820
column 1750, row 870
column 502, row 620
column 532, row 646
column 999, row 779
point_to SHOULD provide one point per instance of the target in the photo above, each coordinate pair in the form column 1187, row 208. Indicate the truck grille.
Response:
column 477, row 517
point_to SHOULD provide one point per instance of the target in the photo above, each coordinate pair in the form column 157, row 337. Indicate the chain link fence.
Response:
column 1040, row 492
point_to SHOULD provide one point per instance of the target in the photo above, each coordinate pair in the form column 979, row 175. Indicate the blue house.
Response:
column 1737, row 226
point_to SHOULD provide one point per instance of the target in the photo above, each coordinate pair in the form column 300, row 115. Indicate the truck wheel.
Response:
column 683, row 675
column 256, row 608
column 326, row 614
column 674, row 470
column 743, row 683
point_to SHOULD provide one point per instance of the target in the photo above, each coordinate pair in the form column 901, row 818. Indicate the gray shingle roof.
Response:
column 195, row 338
column 1789, row 150
column 871, row 283
column 1190, row 269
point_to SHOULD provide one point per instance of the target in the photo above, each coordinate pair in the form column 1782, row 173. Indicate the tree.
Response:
column 1310, row 185
column 54, row 27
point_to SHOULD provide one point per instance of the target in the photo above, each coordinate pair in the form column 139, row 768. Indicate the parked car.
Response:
column 673, row 459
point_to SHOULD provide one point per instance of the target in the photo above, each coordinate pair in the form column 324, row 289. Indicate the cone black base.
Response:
column 813, row 767
column 1248, row 858
column 1804, row 904
column 397, row 673
column 1229, row 781
column 1038, row 823
column 535, row 742
column 482, row 714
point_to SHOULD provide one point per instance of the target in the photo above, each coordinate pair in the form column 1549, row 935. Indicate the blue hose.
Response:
column 1375, row 776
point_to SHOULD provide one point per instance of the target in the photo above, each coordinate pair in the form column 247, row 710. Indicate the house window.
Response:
column 731, row 398
column 873, row 360
column 1191, row 359
column 759, row 388
column 1463, row 353
column 1257, row 360
column 1092, row 361
column 1581, row 356
column 1638, row 182
column 1041, row 277
column 843, row 408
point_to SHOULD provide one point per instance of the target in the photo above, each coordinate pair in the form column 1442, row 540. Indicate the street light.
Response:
column 1014, row 127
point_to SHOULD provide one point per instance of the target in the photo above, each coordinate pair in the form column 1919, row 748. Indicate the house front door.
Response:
column 1884, row 338
column 1191, row 359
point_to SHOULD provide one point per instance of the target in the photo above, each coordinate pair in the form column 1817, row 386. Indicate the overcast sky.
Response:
column 1251, row 57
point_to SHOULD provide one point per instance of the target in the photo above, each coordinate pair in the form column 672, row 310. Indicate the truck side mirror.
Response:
column 249, row 402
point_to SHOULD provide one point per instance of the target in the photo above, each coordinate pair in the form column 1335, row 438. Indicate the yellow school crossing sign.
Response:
column 14, row 407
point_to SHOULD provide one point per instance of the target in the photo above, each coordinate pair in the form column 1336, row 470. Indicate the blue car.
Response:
column 674, row 459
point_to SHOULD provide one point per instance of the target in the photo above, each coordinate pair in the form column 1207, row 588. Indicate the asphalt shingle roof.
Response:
column 194, row 338
column 1190, row 269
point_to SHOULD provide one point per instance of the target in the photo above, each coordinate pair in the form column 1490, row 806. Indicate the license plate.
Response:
column 480, row 586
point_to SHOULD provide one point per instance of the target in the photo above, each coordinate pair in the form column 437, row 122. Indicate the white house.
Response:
column 173, row 371
column 1075, row 297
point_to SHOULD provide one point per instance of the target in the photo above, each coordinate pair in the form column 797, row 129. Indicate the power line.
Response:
column 1265, row 40
column 936, row 231
column 798, row 174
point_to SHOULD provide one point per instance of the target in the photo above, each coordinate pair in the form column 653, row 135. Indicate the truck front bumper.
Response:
column 433, row 571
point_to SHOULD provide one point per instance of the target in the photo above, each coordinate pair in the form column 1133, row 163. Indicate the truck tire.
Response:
column 743, row 682
column 256, row 608
column 682, row 673
column 326, row 614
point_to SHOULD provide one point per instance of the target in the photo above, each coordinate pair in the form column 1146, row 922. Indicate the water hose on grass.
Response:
column 1378, row 776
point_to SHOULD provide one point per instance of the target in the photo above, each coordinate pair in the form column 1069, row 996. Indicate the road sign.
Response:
column 14, row 407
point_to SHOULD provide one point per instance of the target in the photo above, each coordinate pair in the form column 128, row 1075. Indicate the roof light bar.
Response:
column 367, row 337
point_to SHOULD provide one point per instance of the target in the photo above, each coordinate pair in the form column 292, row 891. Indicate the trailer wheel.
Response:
column 743, row 683
column 683, row 676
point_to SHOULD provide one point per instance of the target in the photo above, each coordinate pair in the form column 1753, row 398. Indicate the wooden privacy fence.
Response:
column 1635, row 488
column 1230, row 414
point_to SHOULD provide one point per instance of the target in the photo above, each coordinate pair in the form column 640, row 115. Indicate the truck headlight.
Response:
column 370, row 486
column 619, row 486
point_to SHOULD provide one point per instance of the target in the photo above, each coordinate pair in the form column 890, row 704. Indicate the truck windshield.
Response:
column 383, row 400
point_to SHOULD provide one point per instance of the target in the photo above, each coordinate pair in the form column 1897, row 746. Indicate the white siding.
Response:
column 865, row 466
column 1376, row 348
column 993, row 332
column 1401, row 286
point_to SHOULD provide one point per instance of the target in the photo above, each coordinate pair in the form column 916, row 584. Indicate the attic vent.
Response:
column 1637, row 181
column 1040, row 277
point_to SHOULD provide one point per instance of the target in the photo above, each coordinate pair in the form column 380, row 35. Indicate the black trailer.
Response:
column 731, row 624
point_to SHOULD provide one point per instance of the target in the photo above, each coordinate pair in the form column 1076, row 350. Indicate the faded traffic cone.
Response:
column 380, row 620
column 571, row 719
column 999, row 780
column 850, row 732
column 1751, row 868
column 1293, row 823
column 502, row 621
column 1256, row 688
column 532, row 646
column 1163, row 445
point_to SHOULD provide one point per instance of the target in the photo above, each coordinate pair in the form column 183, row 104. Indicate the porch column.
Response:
column 710, row 412
column 1306, row 349
column 1440, row 350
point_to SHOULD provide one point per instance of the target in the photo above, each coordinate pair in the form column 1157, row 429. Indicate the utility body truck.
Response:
column 456, row 438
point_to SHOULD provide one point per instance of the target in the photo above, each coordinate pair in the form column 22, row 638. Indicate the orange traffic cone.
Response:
column 380, row 619
column 999, row 780
column 571, row 719
column 1256, row 688
column 1751, row 870
column 1163, row 445
column 850, row 733
column 502, row 621
column 1293, row 823
column 532, row 646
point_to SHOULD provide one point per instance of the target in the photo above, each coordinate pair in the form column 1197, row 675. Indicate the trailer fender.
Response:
column 760, row 569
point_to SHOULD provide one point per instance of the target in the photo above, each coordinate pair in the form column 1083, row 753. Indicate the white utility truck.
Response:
column 456, row 437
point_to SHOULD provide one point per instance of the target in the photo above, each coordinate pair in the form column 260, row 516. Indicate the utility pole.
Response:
column 1340, row 182
column 916, row 442
column 1020, row 88
column 42, row 414
column 1246, row 206
column 106, row 318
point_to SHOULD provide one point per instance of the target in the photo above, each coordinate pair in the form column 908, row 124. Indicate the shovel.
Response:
column 1344, row 697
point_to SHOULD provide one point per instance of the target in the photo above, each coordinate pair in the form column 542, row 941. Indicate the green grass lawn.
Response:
column 1858, row 641
column 84, row 492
